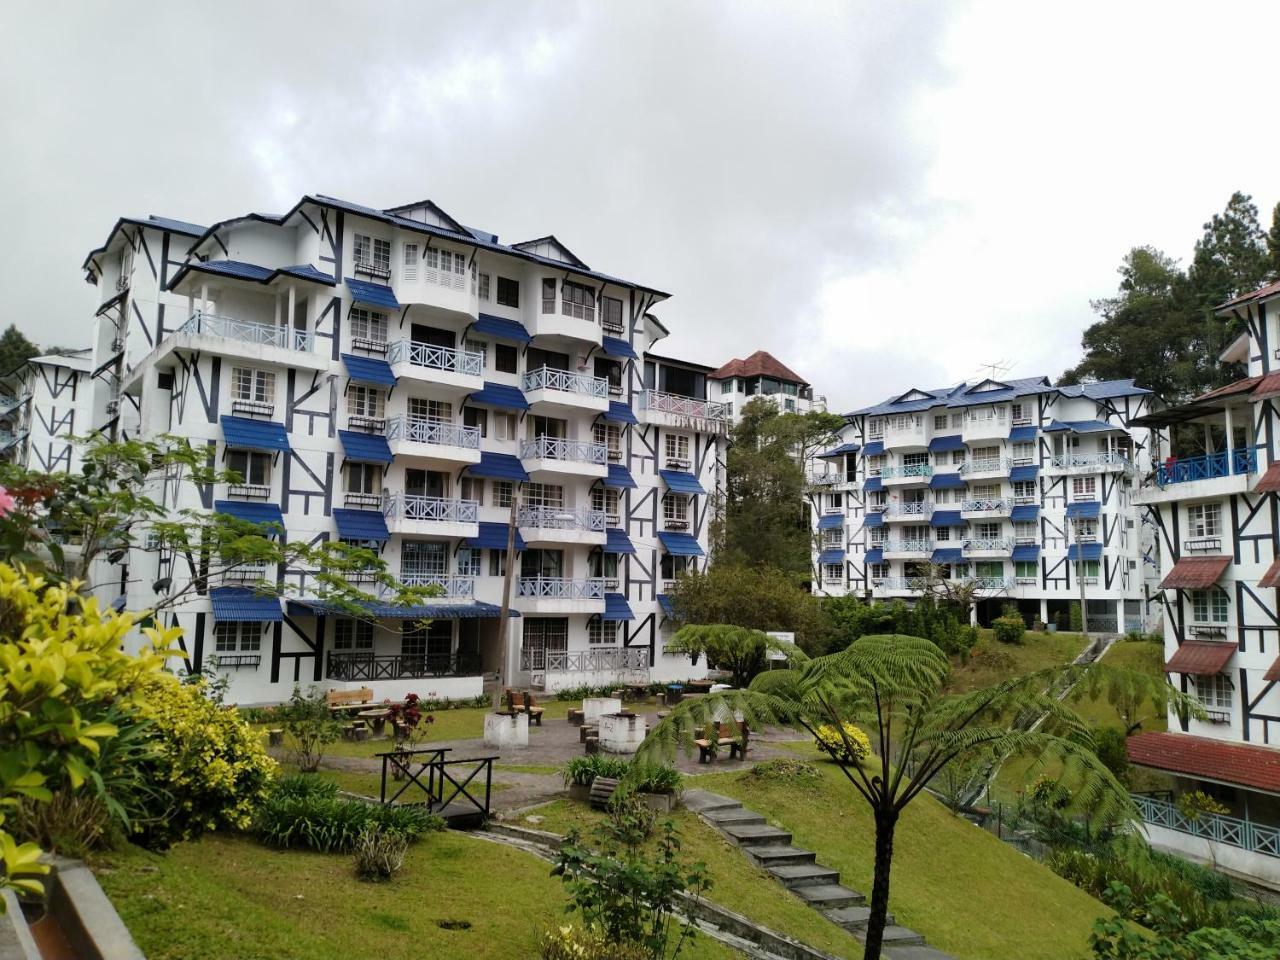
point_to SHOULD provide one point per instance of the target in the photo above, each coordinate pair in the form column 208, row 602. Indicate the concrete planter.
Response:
column 621, row 732
column 661, row 802
column 579, row 791
column 79, row 912
column 593, row 708
column 506, row 730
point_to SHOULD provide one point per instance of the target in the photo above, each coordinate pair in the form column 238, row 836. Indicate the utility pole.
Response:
column 1084, row 607
column 504, row 618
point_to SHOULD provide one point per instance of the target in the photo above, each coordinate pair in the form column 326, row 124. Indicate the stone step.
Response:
column 757, row 834
column 796, row 875
column 732, row 815
column 899, row 951
column 853, row 918
column 778, row 855
column 702, row 801
column 826, row 896
column 896, row 936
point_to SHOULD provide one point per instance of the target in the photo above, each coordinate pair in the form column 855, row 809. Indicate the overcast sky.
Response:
column 883, row 196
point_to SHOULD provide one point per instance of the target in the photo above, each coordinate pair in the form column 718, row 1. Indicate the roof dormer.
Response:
column 549, row 248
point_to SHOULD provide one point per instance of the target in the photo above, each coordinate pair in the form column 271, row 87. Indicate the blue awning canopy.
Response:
column 373, row 294
column 616, row 608
column 619, row 412
column 946, row 518
column 616, row 347
column 1085, row 510
column 840, row 451
column 946, row 444
column 497, row 466
column 1081, row 426
column 668, row 607
column 619, row 478
column 873, row 520
column 1022, row 434
column 873, row 449
column 361, row 525
column 1026, row 551
column 501, row 328
column 1024, row 512
column 493, row 536
column 874, row 555
column 831, row 521
column 373, row 370
column 872, row 484
column 680, row 545
column 388, row 611
column 948, row 555
column 678, row 481
column 831, row 555
column 249, row 434
column 1087, row 551
column 250, row 512
column 946, row 481
column 365, row 447
column 1024, row 473
column 241, row 603
column 499, row 395
column 617, row 541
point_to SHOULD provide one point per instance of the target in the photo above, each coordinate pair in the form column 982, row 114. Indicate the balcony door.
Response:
column 543, row 636
column 426, row 483
column 536, row 358
column 549, row 427
column 426, row 651
column 547, row 564
column 421, row 333
column 423, row 558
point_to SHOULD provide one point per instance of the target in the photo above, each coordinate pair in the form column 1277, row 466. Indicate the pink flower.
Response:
column 7, row 503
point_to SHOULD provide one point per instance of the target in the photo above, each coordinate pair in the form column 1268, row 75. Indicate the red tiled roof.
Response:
column 1195, row 573
column 1243, row 764
column 1268, row 386
column 759, row 364
column 1270, row 480
column 1231, row 389
column 1259, row 294
column 1200, row 658
column 1272, row 577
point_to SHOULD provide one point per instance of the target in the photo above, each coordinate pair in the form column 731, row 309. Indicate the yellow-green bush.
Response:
column 853, row 747
column 575, row 943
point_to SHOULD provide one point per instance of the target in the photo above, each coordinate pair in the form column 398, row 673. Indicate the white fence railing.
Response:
column 912, row 470
column 976, row 544
column 454, row 585
column 986, row 465
column 559, row 588
column 566, row 381
column 247, row 331
column 683, row 406
column 985, row 505
column 416, row 507
column 992, row 583
column 919, row 510
column 1254, row 837
column 908, row 546
column 603, row 660
column 898, row 583
column 561, row 518
column 558, row 448
column 1068, row 460
column 432, row 357
column 437, row 432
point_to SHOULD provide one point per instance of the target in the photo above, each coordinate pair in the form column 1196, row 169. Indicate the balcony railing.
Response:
column 603, row 660
column 992, row 583
column 559, row 588
column 683, row 406
column 436, row 432
column 825, row 479
column 561, row 518
column 911, row 470
column 565, row 381
column 899, row 583
column 1254, row 837
column 985, row 505
column 976, row 544
column 247, row 331
column 915, row 510
column 1069, row 460
column 908, row 546
column 432, row 357
column 416, row 507
column 986, row 465
column 454, row 585
column 369, row 666
column 558, row 448
column 1208, row 467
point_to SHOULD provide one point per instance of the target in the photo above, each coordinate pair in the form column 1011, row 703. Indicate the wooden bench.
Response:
column 518, row 702
column 343, row 701
column 737, row 745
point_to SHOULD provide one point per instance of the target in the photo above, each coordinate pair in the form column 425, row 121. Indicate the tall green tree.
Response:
column 15, row 350
column 743, row 652
column 1231, row 256
column 756, row 597
column 1273, row 245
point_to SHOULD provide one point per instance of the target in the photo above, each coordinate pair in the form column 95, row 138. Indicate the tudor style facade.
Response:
column 1018, row 486
column 762, row 375
column 43, row 404
column 393, row 377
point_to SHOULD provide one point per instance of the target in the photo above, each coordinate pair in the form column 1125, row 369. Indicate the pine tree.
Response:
column 15, row 350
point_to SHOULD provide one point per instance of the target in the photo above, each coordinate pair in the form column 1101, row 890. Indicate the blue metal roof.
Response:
column 831, row 556
column 873, row 449
column 668, row 607
column 874, row 555
column 616, row 347
column 1088, row 510
column 872, row 484
column 619, row 412
column 1081, row 426
column 680, row 545
column 373, row 294
column 946, row 444
column 1022, row 434
column 500, row 395
column 250, row 512
column 1104, row 390
column 840, row 451
column 616, row 608
column 241, row 603
column 946, row 481
column 1090, row 551
column 361, row 525
column 493, row 536
column 1021, row 474
column 365, row 447
column 679, row 482
column 948, row 555
column 254, row 434
column 249, row 271
column 1026, row 551
column 502, row 328
column 873, row 520
column 617, row 541
column 831, row 521
column 966, row 395
column 497, row 466
column 619, row 478
column 373, row 370
column 388, row 611
column 946, row 518
column 1024, row 512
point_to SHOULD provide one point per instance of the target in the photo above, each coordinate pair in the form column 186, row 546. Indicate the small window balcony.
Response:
column 1202, row 545
column 368, row 345
column 362, row 501
column 260, row 409
column 367, row 424
column 248, row 491
column 370, row 268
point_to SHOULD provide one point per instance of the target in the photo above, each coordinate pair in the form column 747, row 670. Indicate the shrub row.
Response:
column 642, row 777
column 305, row 813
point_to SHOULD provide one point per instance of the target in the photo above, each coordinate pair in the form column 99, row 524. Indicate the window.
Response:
column 942, row 533
column 365, row 402
column 1024, row 491
column 576, row 300
column 1024, row 531
column 832, row 571
column 984, row 491
column 602, row 631
column 675, row 511
column 1018, row 412
column 505, row 358
column 987, row 531
column 611, row 436
column 940, row 421
column 373, row 256
column 611, row 315
column 833, row 538
column 409, row 261
column 548, row 296
column 368, row 325
column 1025, row 570
column 364, row 478
column 446, row 268
column 988, row 569
column 958, row 457
column 423, row 558
column 605, row 501
column 1024, row 452
column 349, row 634
column 544, row 635
column 1082, row 488
column 438, row 410
column 726, row 386
column 1085, row 529
column 254, row 389
column 472, row 488
column 544, row 495
column 497, row 563
column 468, row 562
column 604, row 565
column 474, row 417
column 879, row 571
column 253, row 466
column 957, row 421
column 508, row 292
column 1209, row 606
column 505, row 426
column 835, row 501
column 502, row 493
column 1204, row 520
column 480, row 347
column 1088, row 570
column 237, row 636
column 482, row 286
column 676, row 446
column 1214, row 692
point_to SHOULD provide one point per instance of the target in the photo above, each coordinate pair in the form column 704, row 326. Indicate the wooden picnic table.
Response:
column 376, row 718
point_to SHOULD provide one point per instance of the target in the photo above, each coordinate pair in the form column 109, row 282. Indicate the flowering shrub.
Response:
column 853, row 747
column 573, row 943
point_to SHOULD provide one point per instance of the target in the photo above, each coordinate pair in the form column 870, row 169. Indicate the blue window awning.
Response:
column 493, row 536
column 680, row 545
column 1026, row 551
column 873, row 449
column 373, row 294
column 617, row 347
column 1087, row 551
column 946, row 444
column 241, row 603
column 946, row 518
column 831, row 521
column 668, row 607
column 497, row 466
column 948, row 555
column 873, row 520
column 831, row 555
column 499, row 395
column 874, row 555
column 619, row 412
column 365, row 447
column 946, row 481
column 872, row 484
column 617, row 541
column 388, row 611
column 616, row 608
column 678, row 481
column 1081, row 426
column 249, row 511
column 373, row 370
column 619, row 478
column 840, row 451
column 1086, row 510
column 1024, row 473
column 246, row 434
column 1024, row 512
column 361, row 525
column 1022, row 434
column 501, row 328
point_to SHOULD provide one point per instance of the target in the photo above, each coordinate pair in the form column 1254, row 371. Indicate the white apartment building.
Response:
column 43, row 404
column 762, row 375
column 1212, row 498
column 1019, row 486
column 394, row 378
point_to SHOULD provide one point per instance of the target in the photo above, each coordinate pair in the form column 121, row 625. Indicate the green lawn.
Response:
column 991, row 661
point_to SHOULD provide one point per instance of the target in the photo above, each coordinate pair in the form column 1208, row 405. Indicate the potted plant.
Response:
column 578, row 774
column 410, row 726
column 658, row 787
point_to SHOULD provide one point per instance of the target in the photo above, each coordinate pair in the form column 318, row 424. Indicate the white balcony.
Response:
column 582, row 458
column 907, row 512
column 442, row 366
column 986, row 467
column 897, row 584
column 908, row 548
column 565, row 388
column 986, row 507
column 430, row 439
column 450, row 586
column 558, row 318
column 415, row 514
column 915, row 473
column 823, row 479
column 905, row 437
column 984, row 428
column 690, row 413
column 540, row 524
column 1091, row 463
column 238, row 337
column 988, row 546
column 560, row 595
column 993, row 584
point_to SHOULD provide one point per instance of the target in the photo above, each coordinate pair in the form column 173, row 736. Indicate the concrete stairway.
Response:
column 799, row 871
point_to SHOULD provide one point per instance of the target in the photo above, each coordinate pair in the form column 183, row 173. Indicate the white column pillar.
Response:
column 204, row 298
column 293, row 297
column 277, row 300
column 1230, row 430
column 1044, row 610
